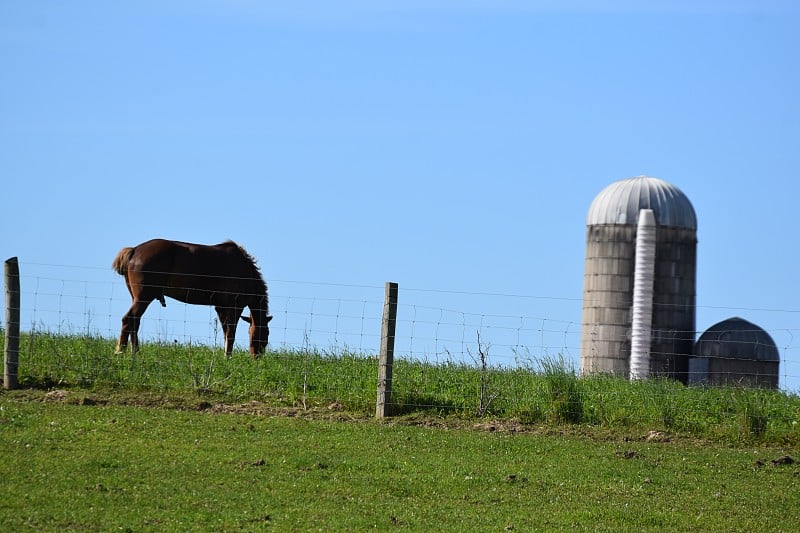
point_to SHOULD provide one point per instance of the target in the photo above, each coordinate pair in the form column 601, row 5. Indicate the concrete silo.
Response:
column 735, row 352
column 610, row 269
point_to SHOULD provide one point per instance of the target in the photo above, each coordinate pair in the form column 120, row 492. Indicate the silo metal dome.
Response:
column 737, row 338
column 735, row 351
column 611, row 238
column 620, row 203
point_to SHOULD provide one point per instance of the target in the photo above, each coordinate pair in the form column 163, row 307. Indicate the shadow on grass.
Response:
column 421, row 403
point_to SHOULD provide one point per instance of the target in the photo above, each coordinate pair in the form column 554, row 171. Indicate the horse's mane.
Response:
column 258, row 279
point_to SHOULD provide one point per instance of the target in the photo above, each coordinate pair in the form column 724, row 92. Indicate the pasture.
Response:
column 103, row 467
column 536, row 392
column 184, row 438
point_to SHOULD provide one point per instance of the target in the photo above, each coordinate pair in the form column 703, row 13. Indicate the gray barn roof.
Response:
column 739, row 339
column 620, row 202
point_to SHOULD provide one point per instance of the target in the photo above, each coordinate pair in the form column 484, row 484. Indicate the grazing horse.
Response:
column 223, row 275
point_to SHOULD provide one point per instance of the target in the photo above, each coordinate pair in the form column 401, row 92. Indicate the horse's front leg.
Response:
column 229, row 319
column 230, row 338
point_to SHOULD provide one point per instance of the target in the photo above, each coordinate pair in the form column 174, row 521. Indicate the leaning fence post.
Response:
column 383, row 405
column 11, row 350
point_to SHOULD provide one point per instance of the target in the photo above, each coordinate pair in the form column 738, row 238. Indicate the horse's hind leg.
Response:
column 130, row 326
column 122, row 343
column 125, row 333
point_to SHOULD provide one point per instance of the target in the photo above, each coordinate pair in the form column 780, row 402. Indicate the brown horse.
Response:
column 222, row 275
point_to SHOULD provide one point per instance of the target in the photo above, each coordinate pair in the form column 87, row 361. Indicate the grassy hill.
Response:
column 534, row 393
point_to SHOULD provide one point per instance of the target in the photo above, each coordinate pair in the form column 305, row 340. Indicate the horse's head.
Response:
column 259, row 330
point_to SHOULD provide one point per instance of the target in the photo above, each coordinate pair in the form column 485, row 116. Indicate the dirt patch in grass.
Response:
column 153, row 400
column 334, row 412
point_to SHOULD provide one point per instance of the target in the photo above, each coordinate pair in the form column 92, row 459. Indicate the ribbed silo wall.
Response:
column 674, row 303
column 608, row 296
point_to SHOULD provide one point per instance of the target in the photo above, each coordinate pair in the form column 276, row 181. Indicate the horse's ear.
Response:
column 269, row 317
column 246, row 319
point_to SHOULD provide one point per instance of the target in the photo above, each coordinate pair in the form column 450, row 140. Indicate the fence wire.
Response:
column 455, row 350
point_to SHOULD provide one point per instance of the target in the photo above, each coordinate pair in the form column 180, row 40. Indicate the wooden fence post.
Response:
column 11, row 350
column 384, row 403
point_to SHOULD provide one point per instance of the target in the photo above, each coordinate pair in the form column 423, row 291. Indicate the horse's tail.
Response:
column 120, row 263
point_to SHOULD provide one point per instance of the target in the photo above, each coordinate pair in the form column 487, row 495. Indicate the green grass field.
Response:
column 539, row 392
column 182, row 438
column 112, row 467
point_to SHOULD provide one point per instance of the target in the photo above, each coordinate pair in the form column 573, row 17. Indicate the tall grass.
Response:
column 546, row 391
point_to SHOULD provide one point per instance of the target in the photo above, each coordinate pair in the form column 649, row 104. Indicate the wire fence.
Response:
column 325, row 339
column 435, row 326
column 432, row 325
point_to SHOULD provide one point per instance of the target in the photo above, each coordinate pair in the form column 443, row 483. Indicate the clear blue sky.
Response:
column 446, row 145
